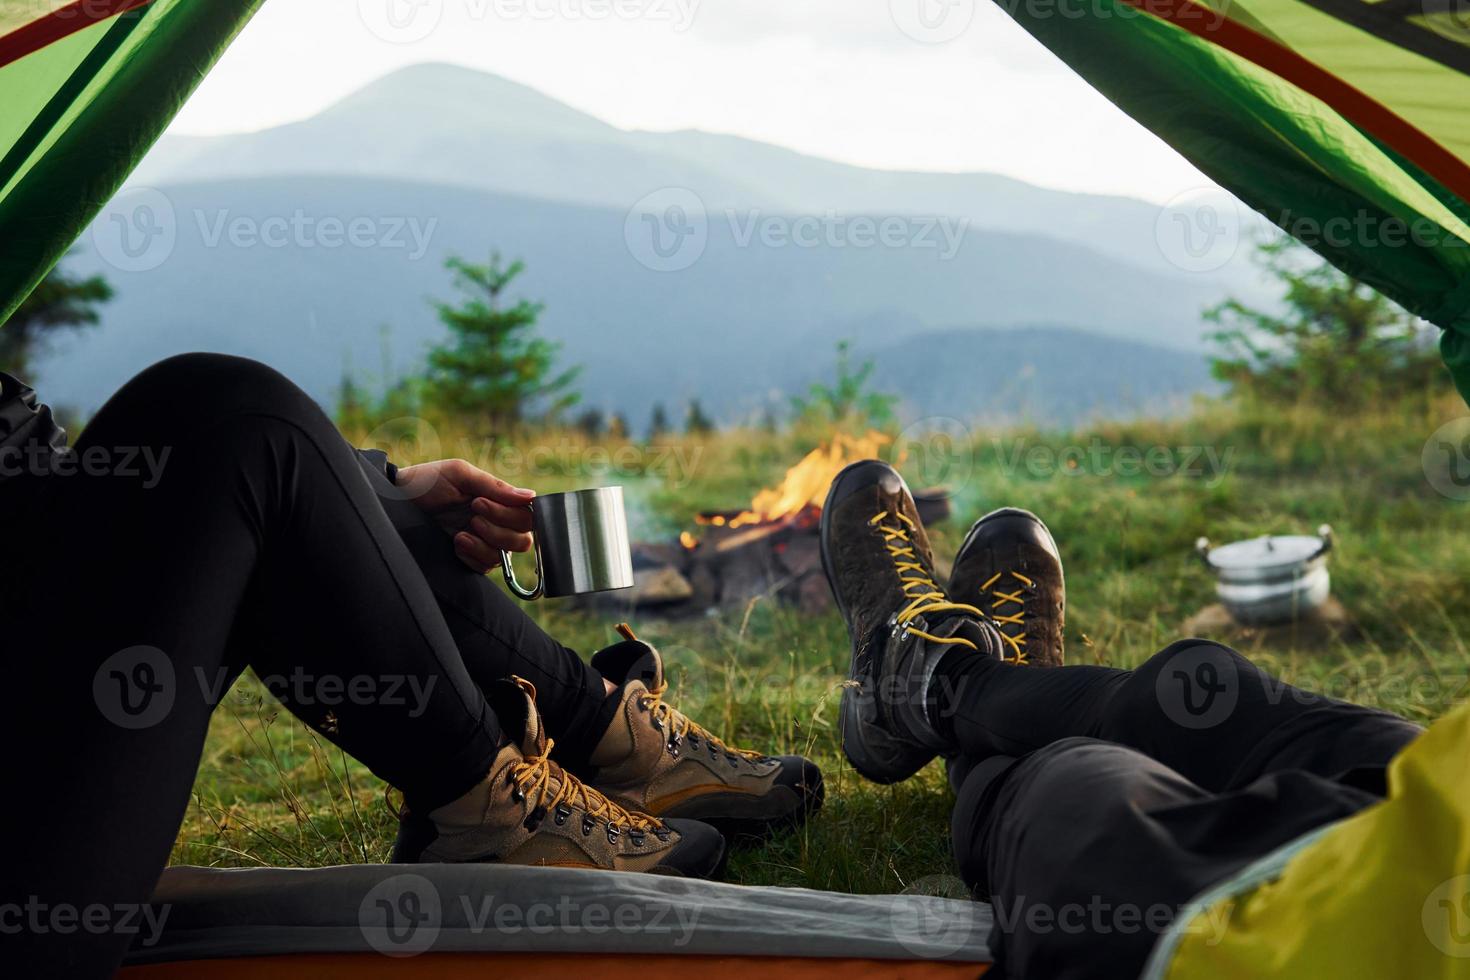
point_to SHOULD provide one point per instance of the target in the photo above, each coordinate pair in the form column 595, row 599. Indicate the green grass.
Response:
column 271, row 792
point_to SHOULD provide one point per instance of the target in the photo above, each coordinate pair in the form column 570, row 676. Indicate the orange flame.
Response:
column 687, row 540
column 805, row 484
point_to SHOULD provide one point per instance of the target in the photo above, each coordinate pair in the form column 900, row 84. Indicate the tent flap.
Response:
column 1350, row 142
column 84, row 107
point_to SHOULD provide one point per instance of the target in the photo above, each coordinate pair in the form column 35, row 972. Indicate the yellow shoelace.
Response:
column 533, row 774
column 1017, row 618
column 679, row 725
column 930, row 597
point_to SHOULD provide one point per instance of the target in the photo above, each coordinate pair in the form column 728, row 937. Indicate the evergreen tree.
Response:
column 1334, row 338
column 848, row 402
column 351, row 401
column 494, row 365
column 696, row 422
column 658, row 425
column 592, row 422
column 60, row 302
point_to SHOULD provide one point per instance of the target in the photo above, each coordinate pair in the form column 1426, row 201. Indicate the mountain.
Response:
column 1045, row 375
column 733, row 329
column 444, row 124
column 791, row 255
column 454, row 126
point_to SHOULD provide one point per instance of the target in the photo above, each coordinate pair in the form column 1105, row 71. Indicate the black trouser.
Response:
column 212, row 519
column 1100, row 801
column 496, row 638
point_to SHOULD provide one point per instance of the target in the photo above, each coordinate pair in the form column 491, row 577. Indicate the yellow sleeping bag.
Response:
column 1384, row 894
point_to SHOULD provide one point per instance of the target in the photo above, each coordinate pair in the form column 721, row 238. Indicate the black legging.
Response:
column 134, row 594
column 496, row 638
column 1105, row 799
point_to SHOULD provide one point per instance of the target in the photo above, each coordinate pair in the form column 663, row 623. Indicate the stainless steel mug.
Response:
column 581, row 544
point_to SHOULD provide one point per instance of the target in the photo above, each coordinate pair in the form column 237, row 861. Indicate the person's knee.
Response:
column 194, row 389
column 1002, row 793
column 225, row 378
column 1065, row 836
column 1186, row 656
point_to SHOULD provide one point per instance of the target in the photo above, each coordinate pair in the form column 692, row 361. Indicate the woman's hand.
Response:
column 483, row 513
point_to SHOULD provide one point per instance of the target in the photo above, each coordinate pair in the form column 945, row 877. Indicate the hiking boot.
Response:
column 900, row 621
column 653, row 758
column 528, row 810
column 1010, row 567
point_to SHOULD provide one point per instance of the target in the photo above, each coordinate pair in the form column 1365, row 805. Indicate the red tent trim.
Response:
column 61, row 22
column 1361, row 109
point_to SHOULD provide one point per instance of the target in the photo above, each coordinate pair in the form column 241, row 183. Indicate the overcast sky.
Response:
column 940, row 85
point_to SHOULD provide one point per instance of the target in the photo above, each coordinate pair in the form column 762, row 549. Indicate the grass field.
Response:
column 270, row 792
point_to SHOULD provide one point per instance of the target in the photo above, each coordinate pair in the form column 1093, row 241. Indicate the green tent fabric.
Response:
column 1313, row 112
column 87, row 87
column 1310, row 117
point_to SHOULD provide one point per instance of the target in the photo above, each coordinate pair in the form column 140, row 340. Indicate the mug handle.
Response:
column 510, row 573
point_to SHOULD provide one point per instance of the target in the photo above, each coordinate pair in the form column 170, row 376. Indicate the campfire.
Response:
column 795, row 502
column 766, row 549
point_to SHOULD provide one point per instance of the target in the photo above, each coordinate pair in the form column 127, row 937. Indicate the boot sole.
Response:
column 715, row 873
column 875, row 754
column 754, row 829
column 712, row 869
column 407, row 850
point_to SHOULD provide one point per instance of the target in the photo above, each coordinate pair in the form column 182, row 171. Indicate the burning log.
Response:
column 804, row 486
column 769, row 549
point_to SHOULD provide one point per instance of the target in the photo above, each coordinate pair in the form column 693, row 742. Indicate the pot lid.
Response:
column 1268, row 551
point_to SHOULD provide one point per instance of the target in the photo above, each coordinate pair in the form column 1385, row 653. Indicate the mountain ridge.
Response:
column 775, row 275
column 450, row 124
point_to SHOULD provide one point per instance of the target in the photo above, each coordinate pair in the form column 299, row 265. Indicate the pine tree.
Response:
column 494, row 365
column 592, row 422
column 848, row 403
column 1332, row 337
column 351, row 402
column 60, row 302
column 696, row 422
column 658, row 425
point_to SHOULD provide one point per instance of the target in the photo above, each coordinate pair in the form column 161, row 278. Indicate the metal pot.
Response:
column 1271, row 579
